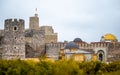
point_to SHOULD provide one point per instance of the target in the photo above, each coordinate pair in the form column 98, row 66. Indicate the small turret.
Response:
column 34, row 22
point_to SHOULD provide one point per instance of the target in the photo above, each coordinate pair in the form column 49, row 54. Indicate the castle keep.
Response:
column 36, row 41
column 14, row 40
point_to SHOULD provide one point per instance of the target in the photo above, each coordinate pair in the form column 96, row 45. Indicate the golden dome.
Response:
column 109, row 37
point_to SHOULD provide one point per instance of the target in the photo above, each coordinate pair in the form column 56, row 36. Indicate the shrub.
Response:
column 68, row 67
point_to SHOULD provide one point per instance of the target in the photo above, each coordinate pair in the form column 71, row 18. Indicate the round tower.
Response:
column 14, row 40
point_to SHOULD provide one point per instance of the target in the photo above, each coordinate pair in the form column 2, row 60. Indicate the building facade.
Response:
column 105, row 50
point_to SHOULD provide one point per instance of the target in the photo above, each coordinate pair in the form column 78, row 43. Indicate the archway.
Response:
column 101, row 55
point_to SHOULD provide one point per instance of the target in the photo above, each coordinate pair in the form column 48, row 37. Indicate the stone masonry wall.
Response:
column 14, row 40
column 35, row 45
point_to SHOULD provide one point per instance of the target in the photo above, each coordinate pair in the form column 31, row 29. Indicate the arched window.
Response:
column 15, row 28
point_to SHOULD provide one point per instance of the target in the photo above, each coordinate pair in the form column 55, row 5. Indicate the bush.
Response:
column 70, row 67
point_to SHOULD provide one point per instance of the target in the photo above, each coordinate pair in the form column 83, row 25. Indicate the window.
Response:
column 15, row 28
column 15, row 38
column 14, row 47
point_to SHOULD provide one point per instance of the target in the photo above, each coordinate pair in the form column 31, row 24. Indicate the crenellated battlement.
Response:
column 9, row 21
column 14, row 25
column 100, row 44
column 81, row 45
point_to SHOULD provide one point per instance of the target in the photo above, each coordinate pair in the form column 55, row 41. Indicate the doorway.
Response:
column 101, row 55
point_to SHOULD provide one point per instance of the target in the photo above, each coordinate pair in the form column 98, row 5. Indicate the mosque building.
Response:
column 106, row 50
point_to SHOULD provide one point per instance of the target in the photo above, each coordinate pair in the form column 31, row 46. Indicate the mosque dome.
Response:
column 77, row 40
column 109, row 37
column 71, row 45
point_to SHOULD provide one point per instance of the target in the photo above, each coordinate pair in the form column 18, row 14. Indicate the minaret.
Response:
column 34, row 21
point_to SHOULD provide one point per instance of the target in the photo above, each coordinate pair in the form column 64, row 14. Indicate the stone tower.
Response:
column 50, row 35
column 34, row 22
column 14, row 40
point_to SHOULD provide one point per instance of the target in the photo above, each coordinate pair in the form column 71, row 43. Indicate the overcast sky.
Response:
column 86, row 19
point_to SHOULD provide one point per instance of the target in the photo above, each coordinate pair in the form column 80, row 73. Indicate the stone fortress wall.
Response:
column 37, row 41
column 14, row 39
column 18, row 42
